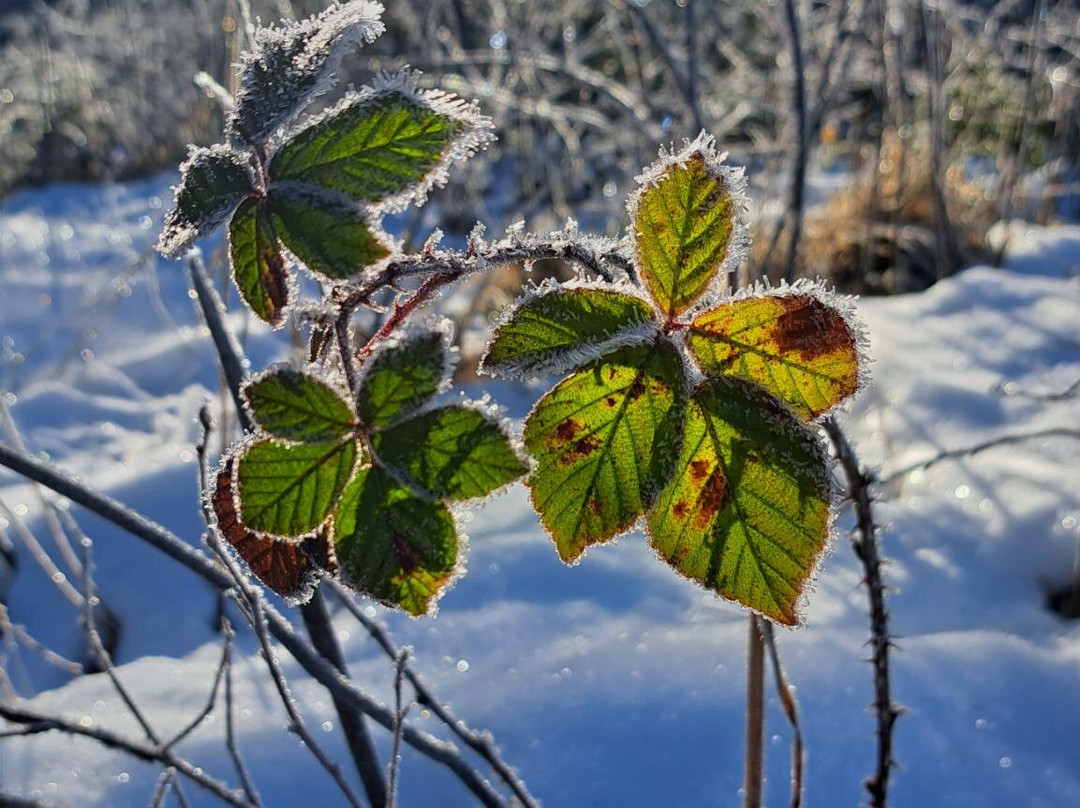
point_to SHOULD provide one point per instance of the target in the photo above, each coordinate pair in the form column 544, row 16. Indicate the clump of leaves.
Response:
column 684, row 407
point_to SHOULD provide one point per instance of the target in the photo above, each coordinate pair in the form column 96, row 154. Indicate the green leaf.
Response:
column 605, row 441
column 212, row 183
column 289, row 490
column 545, row 331
column 330, row 236
column 451, row 452
column 794, row 345
column 402, row 377
column 392, row 545
column 681, row 225
column 257, row 265
column 368, row 150
column 295, row 406
column 747, row 512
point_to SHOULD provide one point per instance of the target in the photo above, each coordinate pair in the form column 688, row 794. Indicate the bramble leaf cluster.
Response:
column 683, row 407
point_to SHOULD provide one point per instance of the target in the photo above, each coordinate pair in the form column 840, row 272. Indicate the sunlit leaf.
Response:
column 450, row 452
column 257, row 264
column 794, row 345
column 560, row 328
column 286, row 568
column 402, row 377
column 747, row 511
column 681, row 224
column 212, row 183
column 288, row 490
column 295, row 406
column 329, row 236
column 392, row 545
column 605, row 441
column 368, row 150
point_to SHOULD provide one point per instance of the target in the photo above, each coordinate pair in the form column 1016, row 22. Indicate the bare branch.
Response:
column 791, row 710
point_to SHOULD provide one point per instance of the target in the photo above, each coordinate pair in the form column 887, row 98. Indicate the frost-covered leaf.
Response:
column 288, row 490
column 287, row 568
column 392, row 545
column 378, row 146
column 451, row 452
column 328, row 235
column 564, row 328
column 682, row 222
column 747, row 511
column 402, row 377
column 796, row 346
column 257, row 264
column 212, row 183
column 605, row 441
column 295, row 406
column 289, row 65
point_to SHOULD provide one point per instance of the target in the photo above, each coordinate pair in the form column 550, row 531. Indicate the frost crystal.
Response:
column 290, row 65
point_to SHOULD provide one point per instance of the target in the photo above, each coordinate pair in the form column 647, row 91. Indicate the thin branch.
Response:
column 791, row 710
column 865, row 544
column 37, row 723
column 230, row 728
column 211, row 701
column 24, row 638
column 968, row 451
column 480, row 742
column 400, row 711
column 797, row 191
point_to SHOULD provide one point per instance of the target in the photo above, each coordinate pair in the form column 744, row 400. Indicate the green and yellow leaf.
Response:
column 548, row 331
column 257, row 264
column 295, row 406
column 368, row 150
column 451, row 452
column 393, row 545
column 682, row 225
column 746, row 514
column 402, row 377
column 289, row 490
column 605, row 441
column 329, row 236
column 794, row 345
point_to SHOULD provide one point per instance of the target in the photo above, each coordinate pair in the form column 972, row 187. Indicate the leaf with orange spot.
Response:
column 795, row 345
column 747, row 511
column 604, row 441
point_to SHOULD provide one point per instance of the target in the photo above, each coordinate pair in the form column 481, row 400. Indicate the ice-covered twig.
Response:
column 400, row 711
column 25, row 639
column 982, row 446
column 480, row 742
column 865, row 544
column 35, row 722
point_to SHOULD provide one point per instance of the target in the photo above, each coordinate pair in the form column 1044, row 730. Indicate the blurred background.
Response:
column 936, row 119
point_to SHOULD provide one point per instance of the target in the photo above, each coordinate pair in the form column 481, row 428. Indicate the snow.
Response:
column 612, row 683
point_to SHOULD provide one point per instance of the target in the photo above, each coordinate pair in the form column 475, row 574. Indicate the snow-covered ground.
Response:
column 613, row 683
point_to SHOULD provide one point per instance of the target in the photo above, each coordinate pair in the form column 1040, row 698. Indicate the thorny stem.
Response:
column 864, row 543
column 403, row 310
column 458, row 264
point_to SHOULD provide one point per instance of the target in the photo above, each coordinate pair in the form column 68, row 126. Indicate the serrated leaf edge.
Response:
column 473, row 132
column 335, row 381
